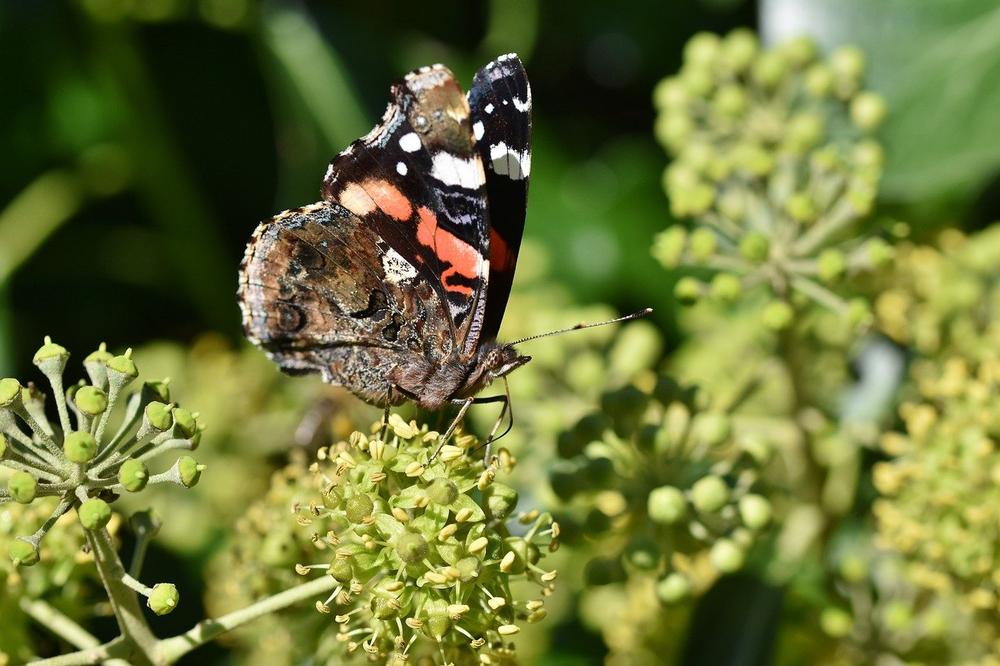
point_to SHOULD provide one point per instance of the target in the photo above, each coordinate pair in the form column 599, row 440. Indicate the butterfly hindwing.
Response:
column 500, row 103
column 321, row 292
column 418, row 181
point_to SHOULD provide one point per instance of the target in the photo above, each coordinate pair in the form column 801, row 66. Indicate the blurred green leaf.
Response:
column 937, row 64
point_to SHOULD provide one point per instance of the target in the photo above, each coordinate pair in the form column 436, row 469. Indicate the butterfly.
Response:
column 395, row 284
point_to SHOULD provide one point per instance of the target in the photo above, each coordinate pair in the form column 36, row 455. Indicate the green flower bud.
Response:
column 702, row 49
column 643, row 553
column 755, row 511
column 525, row 553
column 22, row 487
column 159, row 416
column 687, row 290
column 670, row 94
column 861, row 196
column 801, row 208
column 712, row 428
column 501, row 500
column 673, row 588
column 22, row 553
column 739, row 48
column 50, row 351
column 868, row 110
column 3, row 445
column 726, row 556
column 832, row 264
column 185, row 421
column 730, row 101
column 94, row 513
column 412, row 547
column 10, row 389
column 91, row 400
column 753, row 159
column 819, row 81
column 157, row 390
column 341, row 569
column 673, row 128
column 80, row 447
column 777, row 315
column 359, row 507
column 756, row 447
column 190, row 471
column 755, row 246
column 898, row 615
column 769, row 69
column 163, row 599
column 124, row 365
column 805, row 130
column 666, row 505
column 726, row 287
column 133, row 475
column 859, row 313
column 848, row 62
column 703, row 244
column 668, row 246
column 709, row 493
column 836, row 622
column 442, row 491
column 799, row 51
column 698, row 80
column 868, row 154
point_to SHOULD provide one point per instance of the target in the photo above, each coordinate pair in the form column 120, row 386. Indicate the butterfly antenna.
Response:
column 581, row 326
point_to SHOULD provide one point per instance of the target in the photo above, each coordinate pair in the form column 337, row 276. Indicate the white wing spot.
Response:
column 401, row 168
column 453, row 170
column 514, row 164
column 521, row 106
column 410, row 142
column 478, row 130
column 396, row 268
column 488, row 108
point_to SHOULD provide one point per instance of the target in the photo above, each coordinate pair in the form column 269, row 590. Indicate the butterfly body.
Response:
column 395, row 284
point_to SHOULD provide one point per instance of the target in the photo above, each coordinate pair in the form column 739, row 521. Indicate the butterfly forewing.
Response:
column 500, row 102
column 418, row 179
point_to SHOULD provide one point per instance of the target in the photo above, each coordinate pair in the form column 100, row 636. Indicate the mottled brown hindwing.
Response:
column 321, row 292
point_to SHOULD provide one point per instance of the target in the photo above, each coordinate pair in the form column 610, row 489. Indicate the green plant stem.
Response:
column 60, row 625
column 172, row 649
column 135, row 631
column 99, row 654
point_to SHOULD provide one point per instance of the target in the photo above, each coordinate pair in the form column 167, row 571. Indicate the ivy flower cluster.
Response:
column 424, row 545
column 91, row 454
column 945, row 299
column 661, row 477
column 773, row 160
column 940, row 491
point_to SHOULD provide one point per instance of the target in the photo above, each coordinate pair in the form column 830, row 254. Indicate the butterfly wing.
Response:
column 418, row 181
column 321, row 292
column 500, row 103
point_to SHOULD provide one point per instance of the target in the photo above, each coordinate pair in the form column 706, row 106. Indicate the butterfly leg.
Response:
column 506, row 410
column 465, row 404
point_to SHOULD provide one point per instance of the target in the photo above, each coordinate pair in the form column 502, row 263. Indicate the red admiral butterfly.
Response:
column 395, row 285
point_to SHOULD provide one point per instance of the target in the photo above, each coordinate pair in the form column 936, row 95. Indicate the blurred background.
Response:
column 143, row 140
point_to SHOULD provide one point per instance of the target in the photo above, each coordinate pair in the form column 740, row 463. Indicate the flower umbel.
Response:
column 424, row 551
column 81, row 458
column 772, row 160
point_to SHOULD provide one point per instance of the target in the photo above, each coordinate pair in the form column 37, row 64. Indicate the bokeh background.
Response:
column 143, row 140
